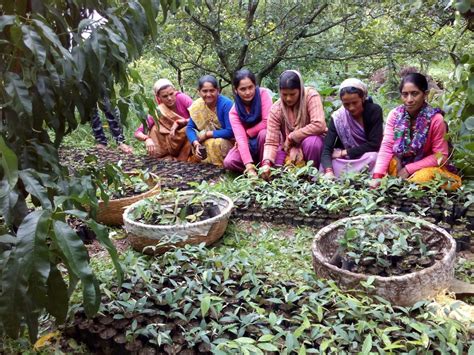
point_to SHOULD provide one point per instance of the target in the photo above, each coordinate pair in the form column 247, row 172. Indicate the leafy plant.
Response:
column 458, row 103
column 170, row 207
column 386, row 247
column 112, row 182
column 221, row 300
column 56, row 58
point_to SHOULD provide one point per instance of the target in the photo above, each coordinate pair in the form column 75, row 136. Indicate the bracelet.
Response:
column 267, row 162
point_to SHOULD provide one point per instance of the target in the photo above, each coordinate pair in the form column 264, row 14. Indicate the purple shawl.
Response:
column 350, row 132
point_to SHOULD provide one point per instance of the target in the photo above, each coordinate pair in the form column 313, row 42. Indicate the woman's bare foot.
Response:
column 125, row 148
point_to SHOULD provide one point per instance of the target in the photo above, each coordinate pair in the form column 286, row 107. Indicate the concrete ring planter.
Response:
column 163, row 237
column 401, row 290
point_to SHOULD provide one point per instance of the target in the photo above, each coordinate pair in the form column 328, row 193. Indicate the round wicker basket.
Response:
column 401, row 290
column 111, row 213
column 160, row 238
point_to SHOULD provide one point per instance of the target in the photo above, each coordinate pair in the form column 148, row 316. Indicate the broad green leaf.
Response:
column 205, row 305
column 40, row 263
column 267, row 347
column 33, row 42
column 370, row 280
column 33, row 186
column 57, row 295
column 13, row 299
column 9, row 163
column 266, row 337
column 76, row 259
column 6, row 20
column 103, row 237
column 367, row 345
column 8, row 201
column 18, row 92
column 245, row 340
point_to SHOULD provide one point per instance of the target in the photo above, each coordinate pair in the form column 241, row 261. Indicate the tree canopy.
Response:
column 220, row 37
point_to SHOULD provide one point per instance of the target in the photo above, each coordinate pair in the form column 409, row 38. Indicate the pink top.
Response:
column 183, row 101
column 435, row 151
column 242, row 134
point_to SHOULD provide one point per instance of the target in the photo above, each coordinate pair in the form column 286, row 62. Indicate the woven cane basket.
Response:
column 160, row 238
column 111, row 213
column 404, row 290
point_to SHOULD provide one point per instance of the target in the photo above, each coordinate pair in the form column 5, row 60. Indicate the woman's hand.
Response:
column 403, row 173
column 338, row 153
column 197, row 149
column 289, row 143
column 174, row 128
column 150, row 146
column 250, row 170
column 374, row 183
column 265, row 170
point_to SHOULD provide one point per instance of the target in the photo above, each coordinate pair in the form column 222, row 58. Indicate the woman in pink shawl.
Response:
column 355, row 132
column 296, row 125
column 168, row 138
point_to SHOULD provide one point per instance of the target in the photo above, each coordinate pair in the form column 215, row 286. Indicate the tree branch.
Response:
column 328, row 27
column 291, row 40
column 252, row 8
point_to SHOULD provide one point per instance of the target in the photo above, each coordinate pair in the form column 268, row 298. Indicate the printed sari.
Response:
column 206, row 119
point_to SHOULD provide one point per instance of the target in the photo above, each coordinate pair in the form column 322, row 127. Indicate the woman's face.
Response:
column 290, row 97
column 413, row 98
column 209, row 94
column 354, row 104
column 246, row 90
column 167, row 96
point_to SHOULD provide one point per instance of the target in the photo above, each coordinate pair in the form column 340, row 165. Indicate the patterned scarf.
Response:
column 409, row 147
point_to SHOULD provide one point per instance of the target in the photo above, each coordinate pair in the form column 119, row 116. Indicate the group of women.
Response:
column 253, row 131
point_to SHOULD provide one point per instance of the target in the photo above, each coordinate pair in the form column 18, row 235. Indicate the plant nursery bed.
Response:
column 192, row 301
column 173, row 174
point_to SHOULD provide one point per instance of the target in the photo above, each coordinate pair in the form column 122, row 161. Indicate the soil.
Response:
column 86, row 234
column 173, row 174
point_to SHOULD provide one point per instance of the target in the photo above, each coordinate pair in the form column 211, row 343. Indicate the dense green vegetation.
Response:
column 57, row 57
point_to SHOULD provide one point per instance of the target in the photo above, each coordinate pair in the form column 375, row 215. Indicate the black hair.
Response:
column 242, row 74
column 208, row 79
column 351, row 90
column 417, row 79
column 289, row 80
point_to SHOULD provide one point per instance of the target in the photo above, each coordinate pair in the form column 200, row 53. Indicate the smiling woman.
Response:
column 168, row 138
column 414, row 145
column 355, row 132
column 248, row 118
column 209, row 129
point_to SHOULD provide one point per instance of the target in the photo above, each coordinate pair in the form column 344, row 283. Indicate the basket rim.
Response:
column 133, row 198
column 450, row 253
column 225, row 212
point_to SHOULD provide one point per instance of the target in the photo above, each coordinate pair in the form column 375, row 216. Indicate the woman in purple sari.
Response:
column 355, row 132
